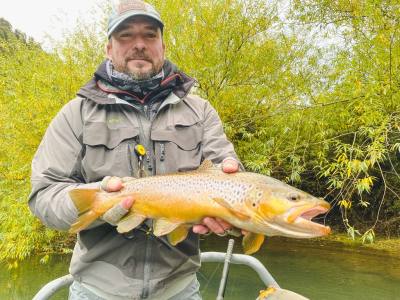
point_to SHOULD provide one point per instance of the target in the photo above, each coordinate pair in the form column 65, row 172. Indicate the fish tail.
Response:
column 83, row 200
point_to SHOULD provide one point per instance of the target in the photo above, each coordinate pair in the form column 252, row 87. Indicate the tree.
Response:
column 308, row 94
column 362, row 169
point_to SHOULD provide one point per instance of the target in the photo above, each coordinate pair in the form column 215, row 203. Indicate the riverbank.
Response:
column 388, row 246
column 340, row 242
column 381, row 246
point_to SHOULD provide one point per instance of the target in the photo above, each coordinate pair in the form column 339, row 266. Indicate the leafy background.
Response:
column 309, row 92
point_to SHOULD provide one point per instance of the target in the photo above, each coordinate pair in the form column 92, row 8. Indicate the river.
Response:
column 316, row 269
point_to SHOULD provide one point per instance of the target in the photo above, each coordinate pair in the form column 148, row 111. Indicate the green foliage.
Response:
column 8, row 34
column 21, row 235
column 362, row 161
column 34, row 85
column 310, row 95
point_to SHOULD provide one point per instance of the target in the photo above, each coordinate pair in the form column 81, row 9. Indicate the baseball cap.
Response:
column 125, row 9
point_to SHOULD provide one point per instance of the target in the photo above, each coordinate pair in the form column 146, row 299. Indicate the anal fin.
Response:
column 164, row 226
column 178, row 235
column 130, row 222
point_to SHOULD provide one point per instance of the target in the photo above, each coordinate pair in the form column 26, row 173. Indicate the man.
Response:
column 137, row 100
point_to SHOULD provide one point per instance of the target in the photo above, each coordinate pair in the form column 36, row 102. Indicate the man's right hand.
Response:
column 118, row 211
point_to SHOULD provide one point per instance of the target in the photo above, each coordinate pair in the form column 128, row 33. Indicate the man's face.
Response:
column 136, row 48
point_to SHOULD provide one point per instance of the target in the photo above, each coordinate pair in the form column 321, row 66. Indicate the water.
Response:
column 317, row 270
column 25, row 281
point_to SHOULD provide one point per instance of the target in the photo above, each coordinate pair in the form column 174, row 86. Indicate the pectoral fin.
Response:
column 178, row 235
column 239, row 214
column 252, row 242
column 129, row 222
column 163, row 227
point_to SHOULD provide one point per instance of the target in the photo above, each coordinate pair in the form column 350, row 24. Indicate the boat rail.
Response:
column 55, row 285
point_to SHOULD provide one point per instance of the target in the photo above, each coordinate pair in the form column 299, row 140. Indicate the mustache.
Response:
column 139, row 55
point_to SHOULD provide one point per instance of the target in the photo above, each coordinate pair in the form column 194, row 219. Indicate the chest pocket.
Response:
column 108, row 151
column 178, row 146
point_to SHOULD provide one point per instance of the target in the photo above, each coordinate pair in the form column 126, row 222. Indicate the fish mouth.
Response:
column 310, row 213
column 302, row 217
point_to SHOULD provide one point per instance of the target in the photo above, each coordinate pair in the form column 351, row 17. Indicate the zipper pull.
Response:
column 162, row 148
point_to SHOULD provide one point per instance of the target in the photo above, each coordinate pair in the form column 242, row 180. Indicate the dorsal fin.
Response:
column 205, row 165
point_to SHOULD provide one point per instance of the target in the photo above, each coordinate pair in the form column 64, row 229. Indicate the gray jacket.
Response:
column 93, row 136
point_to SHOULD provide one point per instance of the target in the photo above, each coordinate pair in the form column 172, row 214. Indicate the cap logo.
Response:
column 127, row 5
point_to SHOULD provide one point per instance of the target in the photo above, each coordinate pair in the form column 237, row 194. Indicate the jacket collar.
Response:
column 99, row 87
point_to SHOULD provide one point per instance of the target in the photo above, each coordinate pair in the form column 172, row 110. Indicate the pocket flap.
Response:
column 185, row 119
column 98, row 133
column 186, row 137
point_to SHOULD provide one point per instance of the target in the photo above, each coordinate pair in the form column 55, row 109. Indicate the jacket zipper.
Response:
column 151, row 167
column 146, row 141
column 146, row 268
column 130, row 161
column 145, row 110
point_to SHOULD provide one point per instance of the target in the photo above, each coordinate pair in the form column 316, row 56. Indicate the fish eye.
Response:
column 254, row 204
column 294, row 197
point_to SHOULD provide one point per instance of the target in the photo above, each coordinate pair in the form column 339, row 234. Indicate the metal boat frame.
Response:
column 53, row 286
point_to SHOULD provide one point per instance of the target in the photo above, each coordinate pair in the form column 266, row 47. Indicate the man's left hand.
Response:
column 216, row 225
column 230, row 165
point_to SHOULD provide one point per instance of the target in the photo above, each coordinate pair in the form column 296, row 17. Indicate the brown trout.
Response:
column 259, row 204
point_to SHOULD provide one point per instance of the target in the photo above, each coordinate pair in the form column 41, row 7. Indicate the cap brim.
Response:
column 131, row 14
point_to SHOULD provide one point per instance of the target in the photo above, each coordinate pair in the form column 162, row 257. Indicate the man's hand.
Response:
column 216, row 225
column 230, row 165
column 114, row 184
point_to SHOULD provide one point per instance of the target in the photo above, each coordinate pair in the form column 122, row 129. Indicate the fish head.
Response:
column 280, row 209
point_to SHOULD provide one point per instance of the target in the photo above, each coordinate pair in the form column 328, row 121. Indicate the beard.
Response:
column 137, row 74
column 142, row 75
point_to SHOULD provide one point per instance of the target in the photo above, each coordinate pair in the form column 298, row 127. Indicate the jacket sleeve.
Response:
column 56, row 169
column 216, row 146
